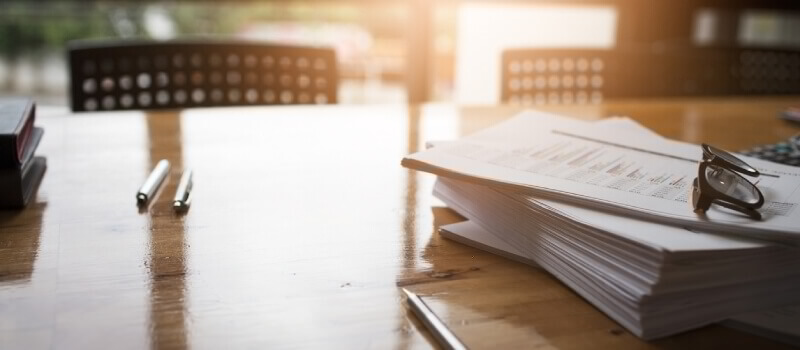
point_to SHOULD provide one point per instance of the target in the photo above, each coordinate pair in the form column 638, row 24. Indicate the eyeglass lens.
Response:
column 731, row 184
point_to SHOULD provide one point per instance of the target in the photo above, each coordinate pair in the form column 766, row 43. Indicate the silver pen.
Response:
column 152, row 182
column 183, row 195
column 446, row 338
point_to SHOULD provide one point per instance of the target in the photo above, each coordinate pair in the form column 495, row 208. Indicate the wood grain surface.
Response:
column 303, row 226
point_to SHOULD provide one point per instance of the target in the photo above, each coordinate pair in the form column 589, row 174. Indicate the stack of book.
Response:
column 20, row 170
column 603, row 206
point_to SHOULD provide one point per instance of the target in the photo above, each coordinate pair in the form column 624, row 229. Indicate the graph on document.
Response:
column 596, row 164
column 617, row 167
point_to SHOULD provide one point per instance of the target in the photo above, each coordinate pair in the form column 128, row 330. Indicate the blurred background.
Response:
column 389, row 51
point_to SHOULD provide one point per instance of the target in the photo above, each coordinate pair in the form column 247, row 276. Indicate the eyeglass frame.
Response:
column 704, row 194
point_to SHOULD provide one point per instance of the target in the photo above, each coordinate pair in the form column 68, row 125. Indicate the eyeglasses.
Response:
column 718, row 182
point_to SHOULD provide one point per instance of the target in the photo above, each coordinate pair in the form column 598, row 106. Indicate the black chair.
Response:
column 139, row 75
column 535, row 76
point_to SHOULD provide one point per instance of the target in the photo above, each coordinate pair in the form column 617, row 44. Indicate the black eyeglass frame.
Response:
column 704, row 194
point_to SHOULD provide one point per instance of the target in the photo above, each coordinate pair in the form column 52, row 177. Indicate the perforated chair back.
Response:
column 107, row 76
column 536, row 76
column 772, row 72
column 555, row 76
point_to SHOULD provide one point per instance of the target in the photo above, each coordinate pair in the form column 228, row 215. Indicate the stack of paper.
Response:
column 603, row 207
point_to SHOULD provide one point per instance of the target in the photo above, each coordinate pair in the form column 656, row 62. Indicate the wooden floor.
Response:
column 302, row 227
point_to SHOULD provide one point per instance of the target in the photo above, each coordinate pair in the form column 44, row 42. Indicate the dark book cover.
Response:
column 17, row 184
column 16, row 126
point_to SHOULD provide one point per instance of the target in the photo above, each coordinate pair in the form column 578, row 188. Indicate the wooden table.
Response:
column 302, row 228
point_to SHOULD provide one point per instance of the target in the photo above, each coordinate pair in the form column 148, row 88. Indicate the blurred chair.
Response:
column 128, row 75
column 535, row 76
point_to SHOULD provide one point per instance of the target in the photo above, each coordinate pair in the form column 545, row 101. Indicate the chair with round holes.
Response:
column 537, row 76
column 141, row 75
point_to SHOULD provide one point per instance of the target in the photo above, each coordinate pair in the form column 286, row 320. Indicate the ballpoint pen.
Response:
column 183, row 195
column 152, row 182
column 446, row 338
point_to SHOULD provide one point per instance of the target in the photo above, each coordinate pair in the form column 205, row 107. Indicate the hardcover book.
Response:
column 16, row 126
column 17, row 183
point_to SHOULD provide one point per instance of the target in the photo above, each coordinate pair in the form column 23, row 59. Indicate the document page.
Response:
column 616, row 169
